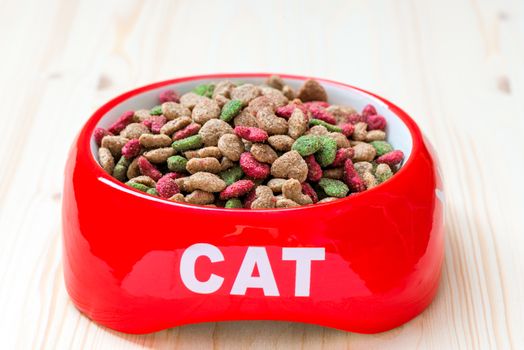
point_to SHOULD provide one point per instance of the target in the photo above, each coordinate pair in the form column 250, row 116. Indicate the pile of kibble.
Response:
column 247, row 146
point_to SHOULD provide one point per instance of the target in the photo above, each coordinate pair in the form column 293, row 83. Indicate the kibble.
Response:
column 249, row 146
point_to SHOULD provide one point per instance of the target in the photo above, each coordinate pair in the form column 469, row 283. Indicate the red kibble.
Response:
column 250, row 198
column 251, row 133
column 125, row 119
column 237, row 189
column 367, row 111
column 252, row 167
column 320, row 113
column 308, row 190
column 347, row 129
column 147, row 123
column 168, row 96
column 99, row 134
column 166, row 186
column 352, row 179
column 342, row 155
column 157, row 122
column 131, row 149
column 321, row 104
column 286, row 111
column 354, row 118
column 376, row 122
column 174, row 175
column 190, row 130
column 148, row 169
column 392, row 158
column 314, row 172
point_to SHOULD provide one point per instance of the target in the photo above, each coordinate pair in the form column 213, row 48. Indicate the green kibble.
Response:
column 157, row 110
column 191, row 142
column 231, row 110
column 138, row 186
column 152, row 192
column 327, row 152
column 234, row 203
column 231, row 175
column 334, row 188
column 204, row 90
column 383, row 173
column 382, row 147
column 329, row 127
column 307, row 145
column 120, row 170
column 176, row 163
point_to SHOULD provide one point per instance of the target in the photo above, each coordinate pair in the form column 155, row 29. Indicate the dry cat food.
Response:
column 247, row 146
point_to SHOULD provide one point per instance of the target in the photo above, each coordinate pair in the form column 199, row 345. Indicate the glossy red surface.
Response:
column 122, row 249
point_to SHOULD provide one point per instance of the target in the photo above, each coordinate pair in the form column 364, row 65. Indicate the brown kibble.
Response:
column 134, row 131
column 213, row 130
column 341, row 139
column 190, row 100
column 144, row 180
column 223, row 88
column 179, row 197
column 141, row 115
column 106, row 160
column 290, row 166
column 375, row 135
column 292, row 189
column 281, row 142
column 203, row 181
column 264, row 198
column 208, row 164
column 174, row 125
column 297, row 123
column 133, row 170
column 154, row 141
column 274, row 95
column 173, row 110
column 245, row 118
column 211, row 151
column 312, row 91
column 159, row 155
column 245, row 93
column 114, row 144
column 260, row 103
column 200, row 197
column 286, row 203
column 288, row 92
column 340, row 112
column 318, row 130
column 263, row 153
column 276, row 184
column 205, row 110
column 268, row 121
column 369, row 180
column 275, row 81
column 231, row 146
column 327, row 200
column 364, row 152
column 363, row 167
column 221, row 100
column 226, row 163
column 335, row 173
column 360, row 131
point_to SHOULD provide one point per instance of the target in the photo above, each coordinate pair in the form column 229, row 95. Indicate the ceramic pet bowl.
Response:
column 365, row 263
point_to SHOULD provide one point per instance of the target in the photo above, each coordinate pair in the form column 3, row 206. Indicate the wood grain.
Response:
column 457, row 66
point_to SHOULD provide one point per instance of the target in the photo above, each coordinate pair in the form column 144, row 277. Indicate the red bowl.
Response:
column 366, row 263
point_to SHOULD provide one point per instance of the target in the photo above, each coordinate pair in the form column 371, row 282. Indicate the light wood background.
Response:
column 457, row 66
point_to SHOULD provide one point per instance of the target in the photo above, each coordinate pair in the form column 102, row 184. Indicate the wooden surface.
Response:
column 457, row 66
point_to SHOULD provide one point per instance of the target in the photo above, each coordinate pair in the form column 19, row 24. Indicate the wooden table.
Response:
column 456, row 66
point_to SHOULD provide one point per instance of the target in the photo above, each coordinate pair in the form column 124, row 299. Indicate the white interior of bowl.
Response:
column 397, row 131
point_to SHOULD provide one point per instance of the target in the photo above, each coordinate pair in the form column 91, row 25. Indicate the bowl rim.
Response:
column 83, row 142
